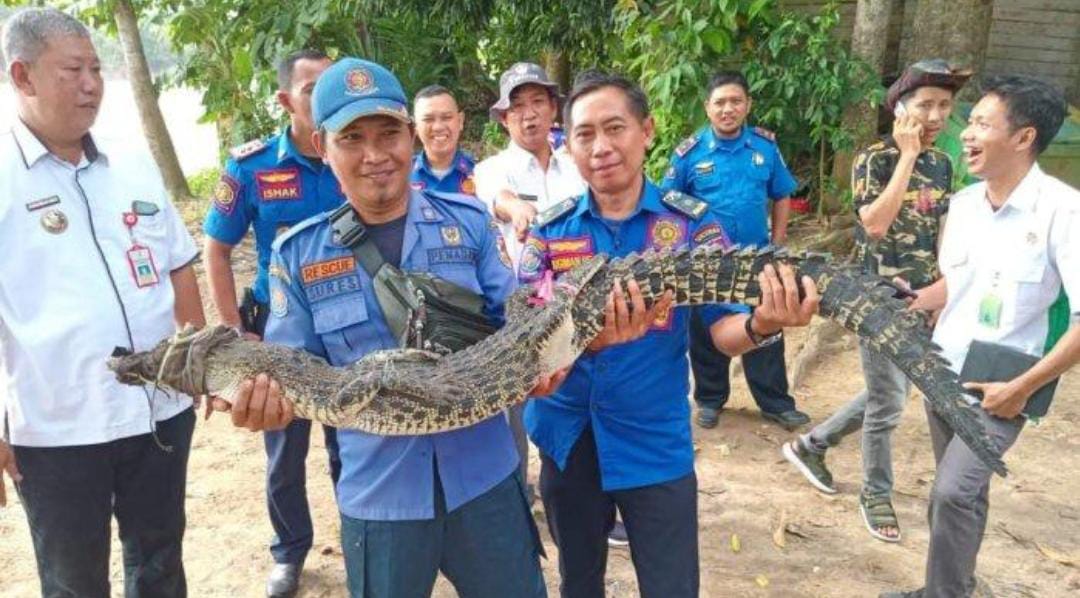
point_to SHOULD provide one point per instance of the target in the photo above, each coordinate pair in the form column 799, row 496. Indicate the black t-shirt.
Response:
column 388, row 238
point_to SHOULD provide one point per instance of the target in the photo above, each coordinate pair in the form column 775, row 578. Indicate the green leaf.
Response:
column 718, row 40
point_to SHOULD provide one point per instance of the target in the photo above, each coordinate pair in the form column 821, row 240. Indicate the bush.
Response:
column 202, row 183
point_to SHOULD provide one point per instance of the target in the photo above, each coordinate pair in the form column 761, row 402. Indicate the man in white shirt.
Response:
column 526, row 178
column 102, row 260
column 1011, row 243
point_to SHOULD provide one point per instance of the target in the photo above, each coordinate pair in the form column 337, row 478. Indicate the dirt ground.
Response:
column 746, row 490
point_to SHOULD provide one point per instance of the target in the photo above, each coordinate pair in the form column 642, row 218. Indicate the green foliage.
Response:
column 202, row 182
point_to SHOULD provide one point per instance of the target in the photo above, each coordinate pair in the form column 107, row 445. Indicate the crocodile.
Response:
column 412, row 391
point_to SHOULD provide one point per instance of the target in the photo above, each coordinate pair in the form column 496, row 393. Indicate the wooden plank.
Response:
column 1040, row 5
column 1053, row 17
column 1031, row 54
column 1053, row 44
column 1034, row 29
column 1067, row 70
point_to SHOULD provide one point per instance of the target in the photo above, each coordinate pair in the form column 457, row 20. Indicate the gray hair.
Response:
column 27, row 32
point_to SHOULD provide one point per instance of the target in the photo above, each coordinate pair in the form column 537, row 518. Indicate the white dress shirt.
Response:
column 71, row 289
column 1022, row 254
column 518, row 170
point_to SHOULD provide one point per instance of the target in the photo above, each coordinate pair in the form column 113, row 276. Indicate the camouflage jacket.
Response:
column 909, row 248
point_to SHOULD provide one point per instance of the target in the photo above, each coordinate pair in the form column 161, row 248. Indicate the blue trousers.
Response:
column 489, row 547
column 660, row 519
column 766, row 372
column 286, row 487
column 71, row 493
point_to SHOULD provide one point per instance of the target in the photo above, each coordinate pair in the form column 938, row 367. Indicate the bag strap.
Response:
column 350, row 232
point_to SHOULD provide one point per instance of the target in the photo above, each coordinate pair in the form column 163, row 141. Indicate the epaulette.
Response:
column 245, row 150
column 466, row 163
column 554, row 212
column 456, row 198
column 297, row 228
column 684, row 204
column 767, row 134
column 686, row 145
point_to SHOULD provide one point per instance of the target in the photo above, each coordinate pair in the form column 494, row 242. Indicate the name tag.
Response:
column 141, row 261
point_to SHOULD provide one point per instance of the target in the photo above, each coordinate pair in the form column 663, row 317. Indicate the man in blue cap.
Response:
column 268, row 186
column 411, row 506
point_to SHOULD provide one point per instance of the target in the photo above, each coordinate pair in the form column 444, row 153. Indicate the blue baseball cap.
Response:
column 353, row 88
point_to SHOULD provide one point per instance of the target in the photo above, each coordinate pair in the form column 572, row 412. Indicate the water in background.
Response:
column 196, row 144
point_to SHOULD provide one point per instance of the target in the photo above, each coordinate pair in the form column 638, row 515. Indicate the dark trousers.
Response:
column 766, row 372
column 71, row 493
column 286, row 487
column 660, row 520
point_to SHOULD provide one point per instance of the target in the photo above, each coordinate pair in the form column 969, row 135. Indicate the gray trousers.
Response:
column 515, row 417
column 877, row 410
column 959, row 501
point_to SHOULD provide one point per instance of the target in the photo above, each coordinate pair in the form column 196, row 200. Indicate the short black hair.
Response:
column 431, row 91
column 594, row 80
column 1030, row 103
column 721, row 78
column 288, row 64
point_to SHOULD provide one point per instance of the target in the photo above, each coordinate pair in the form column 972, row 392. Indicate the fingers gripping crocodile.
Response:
column 410, row 391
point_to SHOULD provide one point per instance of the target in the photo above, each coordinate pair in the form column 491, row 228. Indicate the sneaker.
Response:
column 789, row 420
column 810, row 464
column 707, row 417
column 617, row 536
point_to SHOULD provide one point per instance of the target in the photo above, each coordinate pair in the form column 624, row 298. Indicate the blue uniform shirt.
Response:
column 269, row 186
column 322, row 301
column 736, row 177
column 633, row 395
column 458, row 180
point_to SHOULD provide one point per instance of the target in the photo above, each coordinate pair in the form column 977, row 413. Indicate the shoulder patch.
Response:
column 282, row 238
column 245, row 150
column 551, row 214
column 684, row 204
column 686, row 145
column 767, row 134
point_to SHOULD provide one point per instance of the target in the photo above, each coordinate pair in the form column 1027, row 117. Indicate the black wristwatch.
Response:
column 758, row 339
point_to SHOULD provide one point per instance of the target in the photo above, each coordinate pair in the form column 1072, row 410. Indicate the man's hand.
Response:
column 624, row 323
column 550, row 383
column 259, row 405
column 907, row 133
column 7, row 463
column 1002, row 399
column 516, row 211
column 780, row 306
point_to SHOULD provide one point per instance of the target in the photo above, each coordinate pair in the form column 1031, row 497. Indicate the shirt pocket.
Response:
column 344, row 328
column 1028, row 274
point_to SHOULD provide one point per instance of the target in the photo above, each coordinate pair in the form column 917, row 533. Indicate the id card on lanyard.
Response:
column 990, row 305
column 139, row 257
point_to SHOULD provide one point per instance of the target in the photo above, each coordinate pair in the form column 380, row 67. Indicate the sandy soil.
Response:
column 1032, row 546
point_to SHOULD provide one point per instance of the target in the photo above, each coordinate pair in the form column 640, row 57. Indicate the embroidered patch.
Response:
column 532, row 257
column 279, row 272
column 246, row 149
column 418, row 185
column 225, row 194
column 279, row 184
column 571, row 245
column 325, row 289
column 705, row 167
column 359, row 82
column 451, row 234
column 429, row 213
column 451, row 255
column 663, row 320
column 686, row 145
column 666, row 232
column 317, row 271
column 42, row 203
column 504, row 254
column 468, row 186
column 279, row 302
column 711, row 234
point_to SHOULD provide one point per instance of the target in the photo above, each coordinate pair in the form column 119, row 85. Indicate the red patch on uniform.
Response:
column 317, row 271
column 569, row 252
column 278, row 184
column 711, row 234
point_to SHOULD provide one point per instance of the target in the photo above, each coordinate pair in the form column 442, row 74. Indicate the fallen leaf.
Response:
column 762, row 581
column 736, row 545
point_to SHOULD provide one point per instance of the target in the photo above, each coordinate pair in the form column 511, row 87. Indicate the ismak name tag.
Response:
column 142, row 266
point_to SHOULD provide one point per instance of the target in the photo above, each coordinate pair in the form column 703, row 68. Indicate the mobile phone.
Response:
column 899, row 110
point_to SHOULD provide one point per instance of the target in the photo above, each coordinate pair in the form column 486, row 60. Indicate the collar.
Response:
column 461, row 162
column 648, row 201
column 286, row 149
column 1024, row 196
column 523, row 156
column 719, row 143
column 32, row 149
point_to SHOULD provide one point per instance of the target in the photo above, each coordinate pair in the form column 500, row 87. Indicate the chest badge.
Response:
column 451, row 235
column 42, row 203
column 428, row 213
column 468, row 186
column 666, row 233
column 758, row 159
column 54, row 221
column 1031, row 238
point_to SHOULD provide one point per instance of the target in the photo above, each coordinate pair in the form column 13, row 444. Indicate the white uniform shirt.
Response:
column 69, row 295
column 518, row 170
column 1022, row 254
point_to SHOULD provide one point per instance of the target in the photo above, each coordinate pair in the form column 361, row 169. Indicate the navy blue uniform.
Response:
column 738, row 178
column 459, row 179
column 268, row 186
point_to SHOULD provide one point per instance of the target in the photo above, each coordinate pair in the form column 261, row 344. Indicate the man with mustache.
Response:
column 901, row 188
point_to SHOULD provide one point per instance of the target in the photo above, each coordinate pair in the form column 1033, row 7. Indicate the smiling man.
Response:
column 1012, row 242
column 440, row 165
column 617, row 433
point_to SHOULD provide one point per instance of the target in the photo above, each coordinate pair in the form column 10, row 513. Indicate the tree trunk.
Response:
column 956, row 30
column 157, row 134
column 869, row 40
column 557, row 65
